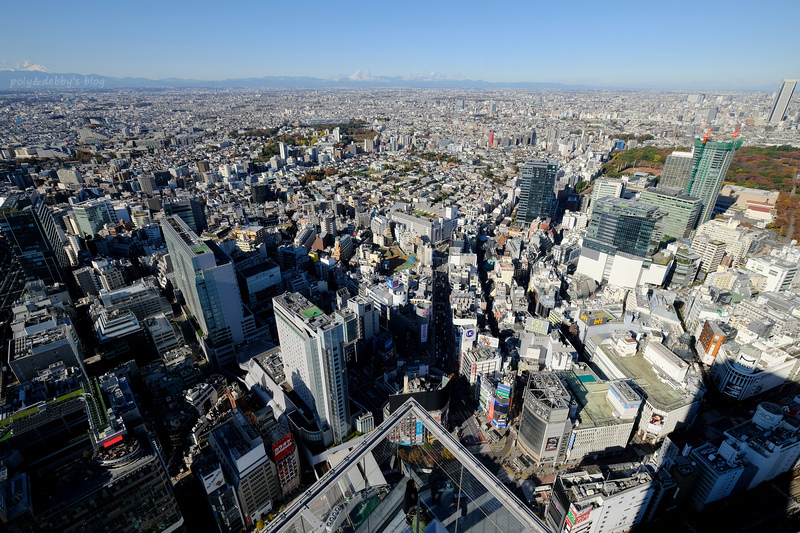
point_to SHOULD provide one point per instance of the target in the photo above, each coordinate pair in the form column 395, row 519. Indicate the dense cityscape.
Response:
column 399, row 310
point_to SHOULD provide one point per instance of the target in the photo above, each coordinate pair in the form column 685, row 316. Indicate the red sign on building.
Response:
column 282, row 447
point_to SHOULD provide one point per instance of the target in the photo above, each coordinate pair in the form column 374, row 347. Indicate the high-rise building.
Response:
column 676, row 171
column 28, row 225
column 147, row 184
column 538, row 182
column 680, row 211
column 619, row 225
column 207, row 280
column 190, row 210
column 604, row 187
column 710, row 164
column 247, row 467
column 327, row 224
column 314, row 361
column 617, row 244
column 91, row 216
column 261, row 193
column 781, row 103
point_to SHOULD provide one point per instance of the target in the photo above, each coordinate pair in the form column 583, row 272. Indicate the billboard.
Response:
column 575, row 518
column 486, row 340
column 656, row 424
column 423, row 333
column 213, row 481
column 282, row 447
column 537, row 325
column 552, row 444
column 504, row 391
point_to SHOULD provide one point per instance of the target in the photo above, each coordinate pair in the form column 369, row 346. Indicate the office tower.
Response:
column 676, row 171
column 261, row 193
column 710, row 164
column 538, row 181
column 207, row 280
column 28, row 225
column 781, row 103
column 604, row 187
column 87, row 464
column 148, row 184
column 327, row 224
column 92, row 216
column 368, row 317
column 617, row 244
column 680, row 211
column 247, row 467
column 190, row 210
column 545, row 426
column 314, row 361
column 621, row 226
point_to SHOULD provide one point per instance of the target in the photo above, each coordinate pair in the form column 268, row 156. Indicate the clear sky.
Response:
column 709, row 44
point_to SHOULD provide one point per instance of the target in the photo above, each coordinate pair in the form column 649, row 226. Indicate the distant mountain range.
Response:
column 19, row 80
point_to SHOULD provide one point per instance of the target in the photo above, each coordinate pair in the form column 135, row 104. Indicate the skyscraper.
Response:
column 781, row 103
column 91, row 216
column 28, row 225
column 538, row 181
column 710, row 163
column 619, row 225
column 680, row 211
column 676, row 171
column 207, row 279
column 617, row 243
column 314, row 361
column 190, row 210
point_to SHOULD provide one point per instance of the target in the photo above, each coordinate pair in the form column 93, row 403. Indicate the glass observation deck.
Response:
column 408, row 475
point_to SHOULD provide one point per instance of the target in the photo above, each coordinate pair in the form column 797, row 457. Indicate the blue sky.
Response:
column 640, row 44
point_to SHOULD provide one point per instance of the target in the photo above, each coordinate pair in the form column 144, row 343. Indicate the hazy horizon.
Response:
column 635, row 45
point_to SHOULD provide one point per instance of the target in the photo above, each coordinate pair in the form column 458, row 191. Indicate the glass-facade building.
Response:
column 620, row 225
column 536, row 196
column 30, row 230
column 207, row 280
column 676, row 171
column 680, row 212
column 710, row 165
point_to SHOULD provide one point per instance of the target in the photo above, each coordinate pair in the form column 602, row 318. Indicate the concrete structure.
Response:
column 676, row 171
column 247, row 466
column 608, row 501
column 92, row 216
column 207, row 280
column 314, row 359
column 545, row 425
column 680, row 212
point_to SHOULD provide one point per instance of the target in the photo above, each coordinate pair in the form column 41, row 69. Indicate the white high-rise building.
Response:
column 781, row 103
column 314, row 361
column 207, row 279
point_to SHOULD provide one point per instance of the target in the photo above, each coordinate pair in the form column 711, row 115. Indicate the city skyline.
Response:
column 584, row 44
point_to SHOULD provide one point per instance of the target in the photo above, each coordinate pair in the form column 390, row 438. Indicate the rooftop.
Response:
column 637, row 368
